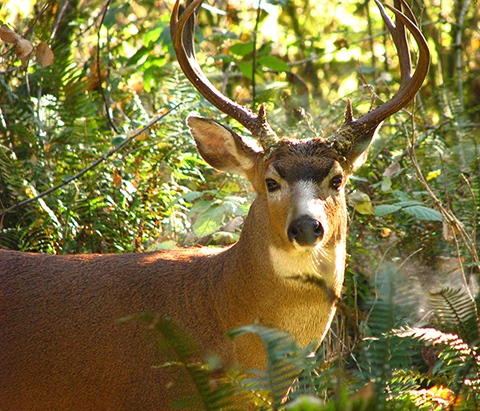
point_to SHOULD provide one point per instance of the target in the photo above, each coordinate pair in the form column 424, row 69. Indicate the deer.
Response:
column 61, row 344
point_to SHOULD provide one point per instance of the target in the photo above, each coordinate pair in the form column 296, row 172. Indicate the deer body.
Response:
column 61, row 345
column 63, row 348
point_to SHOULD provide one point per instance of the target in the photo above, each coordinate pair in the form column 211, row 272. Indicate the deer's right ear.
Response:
column 222, row 148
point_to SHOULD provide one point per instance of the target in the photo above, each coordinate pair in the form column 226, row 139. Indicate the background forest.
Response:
column 85, row 93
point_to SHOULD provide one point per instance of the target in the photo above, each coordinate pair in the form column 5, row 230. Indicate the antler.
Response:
column 357, row 134
column 182, row 29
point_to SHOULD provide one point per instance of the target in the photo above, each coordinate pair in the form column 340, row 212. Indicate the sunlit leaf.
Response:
column 209, row 222
column 242, row 49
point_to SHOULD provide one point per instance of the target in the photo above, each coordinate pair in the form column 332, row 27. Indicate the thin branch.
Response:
column 59, row 19
column 254, row 61
column 99, row 71
column 458, row 50
column 34, row 21
column 89, row 168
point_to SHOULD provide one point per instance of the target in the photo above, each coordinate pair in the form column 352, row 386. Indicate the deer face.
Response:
column 304, row 189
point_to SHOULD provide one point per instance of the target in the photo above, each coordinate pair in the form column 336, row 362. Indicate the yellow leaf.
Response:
column 361, row 201
column 365, row 207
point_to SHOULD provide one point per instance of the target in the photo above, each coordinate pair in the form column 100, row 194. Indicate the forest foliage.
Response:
column 93, row 101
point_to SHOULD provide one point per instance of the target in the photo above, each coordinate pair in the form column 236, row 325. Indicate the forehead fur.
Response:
column 296, row 160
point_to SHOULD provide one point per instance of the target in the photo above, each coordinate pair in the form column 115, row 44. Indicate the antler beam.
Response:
column 182, row 29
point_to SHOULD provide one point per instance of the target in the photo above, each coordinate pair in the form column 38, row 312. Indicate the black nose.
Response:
column 305, row 231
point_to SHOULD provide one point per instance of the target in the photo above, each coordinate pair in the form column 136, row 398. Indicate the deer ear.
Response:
column 222, row 148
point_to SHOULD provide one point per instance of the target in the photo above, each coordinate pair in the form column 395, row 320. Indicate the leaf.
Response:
column 423, row 213
column 152, row 35
column 23, row 48
column 164, row 245
column 44, row 54
column 386, row 184
column 364, row 207
column 117, row 178
column 241, row 49
column 209, row 222
column 392, row 170
column 232, row 205
column 385, row 209
column 362, row 202
column 408, row 203
column 273, row 63
column 8, row 35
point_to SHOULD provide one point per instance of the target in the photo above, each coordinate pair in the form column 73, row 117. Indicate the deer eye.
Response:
column 336, row 182
column 272, row 185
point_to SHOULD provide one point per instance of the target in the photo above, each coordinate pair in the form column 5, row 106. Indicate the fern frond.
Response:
column 286, row 361
column 456, row 308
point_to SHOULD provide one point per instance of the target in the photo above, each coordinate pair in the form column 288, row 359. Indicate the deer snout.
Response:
column 305, row 230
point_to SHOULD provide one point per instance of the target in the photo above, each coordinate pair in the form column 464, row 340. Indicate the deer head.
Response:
column 269, row 166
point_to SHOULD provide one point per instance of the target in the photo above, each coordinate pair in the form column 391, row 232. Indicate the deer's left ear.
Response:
column 222, row 148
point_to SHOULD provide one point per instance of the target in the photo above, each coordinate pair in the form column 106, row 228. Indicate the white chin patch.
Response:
column 304, row 248
column 305, row 260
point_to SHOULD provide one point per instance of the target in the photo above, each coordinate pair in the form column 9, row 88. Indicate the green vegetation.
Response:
column 407, row 332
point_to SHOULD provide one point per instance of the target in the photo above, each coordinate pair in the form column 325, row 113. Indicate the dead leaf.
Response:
column 392, row 170
column 447, row 231
column 23, row 48
column 44, row 54
column 117, row 178
column 385, row 232
column 8, row 35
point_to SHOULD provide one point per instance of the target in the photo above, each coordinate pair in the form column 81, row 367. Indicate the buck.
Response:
column 61, row 346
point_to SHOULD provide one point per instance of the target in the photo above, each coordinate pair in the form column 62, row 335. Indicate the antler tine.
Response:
column 182, row 30
column 362, row 129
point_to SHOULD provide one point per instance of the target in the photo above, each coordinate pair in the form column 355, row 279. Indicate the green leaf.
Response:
column 235, row 205
column 200, row 207
column 385, row 209
column 386, row 184
column 408, row 203
column 164, row 245
column 246, row 69
column 152, row 36
column 116, row 141
column 423, row 213
column 241, row 49
column 273, row 63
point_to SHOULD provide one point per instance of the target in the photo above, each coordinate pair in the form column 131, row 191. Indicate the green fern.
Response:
column 285, row 362
column 458, row 359
column 456, row 309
